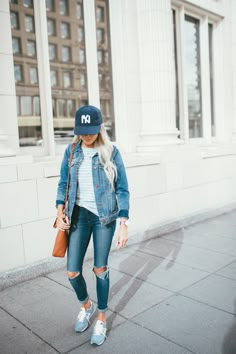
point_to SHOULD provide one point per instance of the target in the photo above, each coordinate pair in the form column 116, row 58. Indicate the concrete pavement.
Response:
column 174, row 294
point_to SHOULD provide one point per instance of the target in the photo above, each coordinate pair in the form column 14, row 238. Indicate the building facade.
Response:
column 163, row 73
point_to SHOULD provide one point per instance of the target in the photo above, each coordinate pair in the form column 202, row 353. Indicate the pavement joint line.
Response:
column 184, row 264
column 207, row 304
column 143, row 281
column 29, row 329
column 108, row 331
column 168, row 339
column 227, row 265
column 202, row 248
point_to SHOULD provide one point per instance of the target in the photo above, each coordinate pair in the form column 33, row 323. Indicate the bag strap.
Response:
column 68, row 176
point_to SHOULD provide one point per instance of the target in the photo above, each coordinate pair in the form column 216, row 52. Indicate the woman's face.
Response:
column 88, row 140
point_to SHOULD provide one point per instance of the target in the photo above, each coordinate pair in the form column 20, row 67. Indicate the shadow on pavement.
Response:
column 140, row 271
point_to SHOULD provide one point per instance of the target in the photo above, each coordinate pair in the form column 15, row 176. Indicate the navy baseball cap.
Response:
column 88, row 120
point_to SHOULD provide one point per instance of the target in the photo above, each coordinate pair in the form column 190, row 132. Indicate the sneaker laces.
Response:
column 82, row 314
column 99, row 328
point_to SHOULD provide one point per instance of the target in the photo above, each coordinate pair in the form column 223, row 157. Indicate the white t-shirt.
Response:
column 85, row 193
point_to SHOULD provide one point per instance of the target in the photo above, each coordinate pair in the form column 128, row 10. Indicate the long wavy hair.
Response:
column 104, row 148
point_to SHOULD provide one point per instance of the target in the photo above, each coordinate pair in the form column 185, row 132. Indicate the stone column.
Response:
column 157, row 74
column 9, row 141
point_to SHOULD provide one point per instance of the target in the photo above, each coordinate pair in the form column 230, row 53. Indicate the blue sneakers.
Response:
column 99, row 333
column 82, row 321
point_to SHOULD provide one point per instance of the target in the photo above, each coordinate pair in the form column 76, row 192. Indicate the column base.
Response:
column 156, row 141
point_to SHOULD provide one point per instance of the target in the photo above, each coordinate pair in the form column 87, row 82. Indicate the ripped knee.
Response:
column 72, row 275
column 102, row 272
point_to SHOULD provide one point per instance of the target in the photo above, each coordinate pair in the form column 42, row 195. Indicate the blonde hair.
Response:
column 104, row 148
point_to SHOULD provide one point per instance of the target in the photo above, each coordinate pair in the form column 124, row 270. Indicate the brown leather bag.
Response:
column 61, row 241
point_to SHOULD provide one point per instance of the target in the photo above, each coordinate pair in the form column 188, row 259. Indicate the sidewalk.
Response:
column 174, row 294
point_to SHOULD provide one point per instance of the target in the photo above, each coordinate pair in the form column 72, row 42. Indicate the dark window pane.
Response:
column 79, row 10
column 64, row 7
column 210, row 33
column 51, row 27
column 54, row 80
column 65, row 30
column 14, row 20
column 66, row 55
column 100, row 14
column 50, row 5
column 28, row 3
column 31, row 48
column 67, row 79
column 36, row 106
column 29, row 23
column 176, row 73
column 61, row 108
column 193, row 76
column 52, row 51
column 26, row 106
column 16, row 45
column 18, row 73
column 33, row 73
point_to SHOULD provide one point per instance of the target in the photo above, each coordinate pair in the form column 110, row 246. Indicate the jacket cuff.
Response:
column 123, row 213
column 59, row 202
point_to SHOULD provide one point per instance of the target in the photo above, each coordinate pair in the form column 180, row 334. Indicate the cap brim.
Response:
column 87, row 130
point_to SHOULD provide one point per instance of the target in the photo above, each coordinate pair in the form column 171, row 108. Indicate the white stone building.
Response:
column 174, row 98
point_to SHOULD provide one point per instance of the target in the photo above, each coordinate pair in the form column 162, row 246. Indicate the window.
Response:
column 104, row 65
column 61, row 108
column 54, row 78
column 14, row 20
column 194, row 59
column 65, row 30
column 71, row 108
column 66, row 54
column 193, row 76
column 79, row 10
column 50, row 5
column 26, row 106
column 64, row 7
column 83, row 81
column 33, row 73
column 36, row 106
column 13, row 1
column 28, row 3
column 100, row 14
column 29, row 23
column 31, row 48
column 81, row 56
column 176, row 73
column 18, row 73
column 67, row 79
column 52, row 51
column 80, row 34
column 51, row 27
column 210, row 34
column 16, row 47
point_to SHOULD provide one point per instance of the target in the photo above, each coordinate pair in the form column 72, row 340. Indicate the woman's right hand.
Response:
column 62, row 220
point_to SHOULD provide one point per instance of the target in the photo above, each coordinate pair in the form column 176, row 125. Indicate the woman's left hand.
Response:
column 122, row 236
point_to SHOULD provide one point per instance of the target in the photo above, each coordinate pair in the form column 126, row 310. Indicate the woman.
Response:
column 98, row 195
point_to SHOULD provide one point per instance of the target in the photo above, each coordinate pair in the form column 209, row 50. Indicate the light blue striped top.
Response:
column 85, row 193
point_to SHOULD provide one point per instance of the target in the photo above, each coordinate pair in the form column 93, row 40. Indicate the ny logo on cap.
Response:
column 85, row 118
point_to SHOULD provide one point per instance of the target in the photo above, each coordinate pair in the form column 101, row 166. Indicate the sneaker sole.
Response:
column 98, row 343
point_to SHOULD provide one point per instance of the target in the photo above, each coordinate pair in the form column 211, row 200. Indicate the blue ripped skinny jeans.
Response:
column 84, row 224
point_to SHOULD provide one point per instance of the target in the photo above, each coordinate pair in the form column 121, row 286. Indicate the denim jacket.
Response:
column 110, row 203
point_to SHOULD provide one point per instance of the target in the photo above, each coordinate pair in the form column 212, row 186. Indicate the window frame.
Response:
column 204, row 18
